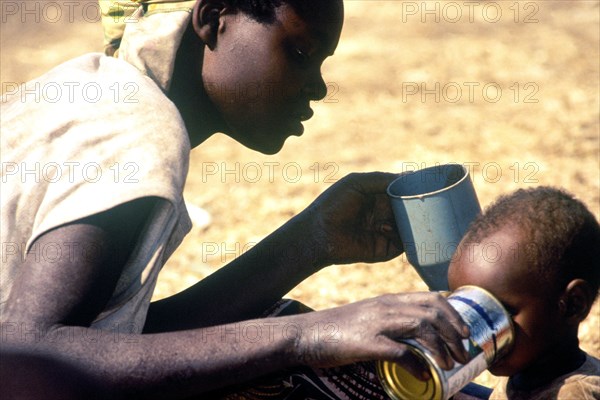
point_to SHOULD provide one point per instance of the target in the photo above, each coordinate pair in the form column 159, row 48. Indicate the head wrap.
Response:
column 146, row 33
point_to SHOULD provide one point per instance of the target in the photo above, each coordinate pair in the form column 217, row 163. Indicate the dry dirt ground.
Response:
column 507, row 87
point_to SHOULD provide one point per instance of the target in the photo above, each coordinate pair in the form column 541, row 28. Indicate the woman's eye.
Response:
column 301, row 56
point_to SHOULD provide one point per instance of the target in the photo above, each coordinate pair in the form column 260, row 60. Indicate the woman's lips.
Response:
column 303, row 114
column 297, row 117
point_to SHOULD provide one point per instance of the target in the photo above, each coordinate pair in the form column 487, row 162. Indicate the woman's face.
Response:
column 261, row 77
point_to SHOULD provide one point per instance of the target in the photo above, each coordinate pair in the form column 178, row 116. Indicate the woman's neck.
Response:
column 187, row 91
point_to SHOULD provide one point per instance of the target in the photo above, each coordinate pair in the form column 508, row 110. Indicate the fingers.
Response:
column 385, row 246
column 372, row 182
column 435, row 325
column 374, row 329
column 383, row 221
column 386, row 227
column 443, row 351
column 383, row 216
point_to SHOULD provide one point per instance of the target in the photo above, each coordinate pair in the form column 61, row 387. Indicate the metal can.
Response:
column 418, row 377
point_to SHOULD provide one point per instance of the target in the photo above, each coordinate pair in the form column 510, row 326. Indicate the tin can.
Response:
column 418, row 377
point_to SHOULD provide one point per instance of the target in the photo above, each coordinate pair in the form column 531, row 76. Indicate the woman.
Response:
column 86, row 236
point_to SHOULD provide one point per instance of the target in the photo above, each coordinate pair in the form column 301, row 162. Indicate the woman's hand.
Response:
column 353, row 220
column 370, row 330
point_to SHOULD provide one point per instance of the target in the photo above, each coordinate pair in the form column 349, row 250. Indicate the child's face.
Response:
column 498, row 265
column 262, row 76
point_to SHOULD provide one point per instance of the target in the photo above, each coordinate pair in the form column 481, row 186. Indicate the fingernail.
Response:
column 465, row 331
column 466, row 354
column 449, row 362
column 386, row 228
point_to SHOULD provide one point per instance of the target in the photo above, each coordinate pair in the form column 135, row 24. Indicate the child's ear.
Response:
column 207, row 19
column 576, row 301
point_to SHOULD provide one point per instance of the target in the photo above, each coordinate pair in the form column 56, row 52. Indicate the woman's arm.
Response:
column 351, row 222
column 52, row 304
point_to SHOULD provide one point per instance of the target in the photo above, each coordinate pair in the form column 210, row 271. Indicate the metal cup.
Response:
column 433, row 208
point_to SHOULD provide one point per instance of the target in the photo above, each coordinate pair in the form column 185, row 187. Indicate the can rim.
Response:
column 384, row 372
column 508, row 317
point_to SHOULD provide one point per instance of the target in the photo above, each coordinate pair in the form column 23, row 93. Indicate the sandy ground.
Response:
column 509, row 88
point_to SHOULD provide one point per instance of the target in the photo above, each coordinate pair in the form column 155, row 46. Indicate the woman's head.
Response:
column 261, row 63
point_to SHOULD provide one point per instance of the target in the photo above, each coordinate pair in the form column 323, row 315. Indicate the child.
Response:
column 537, row 251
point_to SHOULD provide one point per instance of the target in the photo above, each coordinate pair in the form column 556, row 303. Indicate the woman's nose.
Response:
column 316, row 89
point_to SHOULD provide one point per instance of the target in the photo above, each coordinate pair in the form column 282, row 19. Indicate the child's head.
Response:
column 261, row 63
column 537, row 251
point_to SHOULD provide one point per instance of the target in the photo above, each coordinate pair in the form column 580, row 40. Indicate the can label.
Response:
column 461, row 375
column 491, row 337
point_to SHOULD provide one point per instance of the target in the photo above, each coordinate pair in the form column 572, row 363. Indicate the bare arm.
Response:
column 244, row 288
column 351, row 222
column 52, row 304
column 56, row 302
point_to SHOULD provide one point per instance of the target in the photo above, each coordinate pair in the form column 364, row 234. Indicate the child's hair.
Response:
column 264, row 10
column 562, row 236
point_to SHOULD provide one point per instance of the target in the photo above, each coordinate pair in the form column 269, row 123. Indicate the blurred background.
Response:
column 508, row 88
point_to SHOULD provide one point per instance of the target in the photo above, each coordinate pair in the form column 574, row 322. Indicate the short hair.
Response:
column 563, row 237
column 260, row 10
column 264, row 10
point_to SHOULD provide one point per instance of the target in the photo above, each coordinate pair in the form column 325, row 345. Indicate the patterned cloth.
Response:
column 146, row 34
column 357, row 381
column 352, row 382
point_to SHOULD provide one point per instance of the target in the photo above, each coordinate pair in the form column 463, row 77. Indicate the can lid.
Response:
column 411, row 379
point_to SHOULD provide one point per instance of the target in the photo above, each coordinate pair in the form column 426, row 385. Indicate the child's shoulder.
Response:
column 590, row 368
column 583, row 383
column 592, row 364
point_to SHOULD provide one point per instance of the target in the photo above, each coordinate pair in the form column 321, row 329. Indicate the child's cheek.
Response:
column 516, row 359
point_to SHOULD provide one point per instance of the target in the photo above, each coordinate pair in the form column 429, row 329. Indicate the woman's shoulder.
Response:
column 99, row 94
column 100, row 110
column 91, row 79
